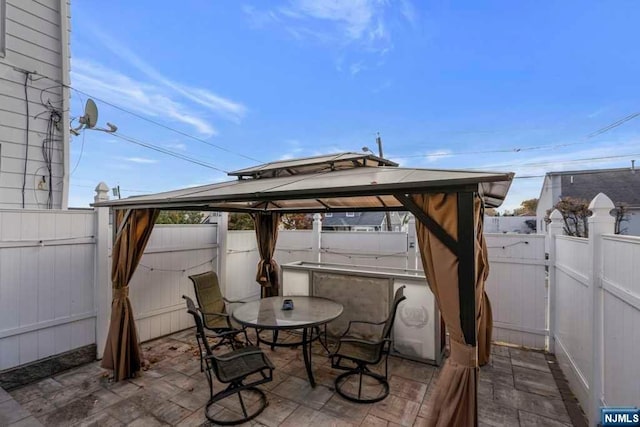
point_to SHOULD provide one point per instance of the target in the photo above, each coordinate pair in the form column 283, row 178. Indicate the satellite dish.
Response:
column 89, row 119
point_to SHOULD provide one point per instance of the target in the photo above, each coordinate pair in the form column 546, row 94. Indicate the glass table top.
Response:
column 268, row 313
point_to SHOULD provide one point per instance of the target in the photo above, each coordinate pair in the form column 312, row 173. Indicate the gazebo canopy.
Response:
column 340, row 182
column 448, row 206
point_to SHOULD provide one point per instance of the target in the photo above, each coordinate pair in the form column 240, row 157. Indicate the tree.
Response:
column 527, row 208
column 298, row 221
column 621, row 211
column 575, row 213
column 240, row 221
column 491, row 212
column 180, row 217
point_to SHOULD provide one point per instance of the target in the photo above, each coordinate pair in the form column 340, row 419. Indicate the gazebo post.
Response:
column 467, row 277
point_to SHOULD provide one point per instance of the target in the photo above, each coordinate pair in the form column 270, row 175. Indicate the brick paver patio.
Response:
column 517, row 388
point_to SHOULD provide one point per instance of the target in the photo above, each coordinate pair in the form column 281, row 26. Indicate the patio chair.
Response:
column 213, row 308
column 363, row 353
column 233, row 368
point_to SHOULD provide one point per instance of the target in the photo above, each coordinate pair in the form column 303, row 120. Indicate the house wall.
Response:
column 631, row 227
column 548, row 197
column 36, row 39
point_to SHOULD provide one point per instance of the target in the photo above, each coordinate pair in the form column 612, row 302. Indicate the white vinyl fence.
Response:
column 55, row 290
column 573, row 326
column 621, row 334
column 173, row 253
column 46, row 283
column 517, row 289
column 596, row 294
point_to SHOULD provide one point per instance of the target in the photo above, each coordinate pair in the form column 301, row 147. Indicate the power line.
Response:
column 169, row 128
column 141, row 117
column 586, row 159
column 613, row 125
column 531, row 148
column 167, row 152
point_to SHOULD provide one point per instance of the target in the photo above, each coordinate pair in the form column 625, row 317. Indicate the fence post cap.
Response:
column 102, row 192
column 601, row 204
column 555, row 216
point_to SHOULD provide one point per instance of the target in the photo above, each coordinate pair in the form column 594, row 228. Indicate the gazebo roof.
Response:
column 341, row 182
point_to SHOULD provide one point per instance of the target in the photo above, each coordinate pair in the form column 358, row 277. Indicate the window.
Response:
column 328, row 215
column 350, row 214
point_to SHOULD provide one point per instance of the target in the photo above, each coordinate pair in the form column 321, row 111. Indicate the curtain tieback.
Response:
column 121, row 292
column 464, row 354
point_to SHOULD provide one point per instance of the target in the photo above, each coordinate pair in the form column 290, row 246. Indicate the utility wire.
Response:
column 26, row 150
column 586, row 159
column 141, row 117
column 531, row 148
column 613, row 125
column 167, row 152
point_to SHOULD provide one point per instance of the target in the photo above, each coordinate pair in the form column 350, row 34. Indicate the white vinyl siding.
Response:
column 2, row 26
column 30, row 40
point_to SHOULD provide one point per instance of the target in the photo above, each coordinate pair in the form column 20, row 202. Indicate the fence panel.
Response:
column 517, row 289
column 621, row 283
column 573, row 334
column 382, row 249
column 46, row 283
column 173, row 253
column 242, row 259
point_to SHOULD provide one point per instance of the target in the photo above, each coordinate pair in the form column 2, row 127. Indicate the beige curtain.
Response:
column 266, row 225
column 122, row 351
column 454, row 398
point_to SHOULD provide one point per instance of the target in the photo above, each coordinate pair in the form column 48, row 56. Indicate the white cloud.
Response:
column 181, row 146
column 215, row 103
column 337, row 23
column 354, row 17
column 260, row 18
column 142, row 160
column 437, row 155
column 356, row 68
column 143, row 98
column 408, row 11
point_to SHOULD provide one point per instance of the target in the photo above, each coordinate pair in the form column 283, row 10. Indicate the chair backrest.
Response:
column 397, row 299
column 200, row 335
column 210, row 299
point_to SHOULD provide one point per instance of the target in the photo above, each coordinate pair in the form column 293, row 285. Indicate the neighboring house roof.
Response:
column 620, row 185
column 359, row 219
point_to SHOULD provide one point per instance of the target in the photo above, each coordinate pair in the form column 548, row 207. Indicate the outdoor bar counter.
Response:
column 366, row 292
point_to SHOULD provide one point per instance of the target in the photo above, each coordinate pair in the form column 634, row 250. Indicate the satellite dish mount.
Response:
column 89, row 119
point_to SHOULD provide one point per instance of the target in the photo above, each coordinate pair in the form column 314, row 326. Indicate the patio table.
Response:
column 308, row 314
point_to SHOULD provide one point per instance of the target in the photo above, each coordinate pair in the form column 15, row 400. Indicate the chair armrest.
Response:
column 213, row 313
column 351, row 322
column 236, row 356
column 361, row 341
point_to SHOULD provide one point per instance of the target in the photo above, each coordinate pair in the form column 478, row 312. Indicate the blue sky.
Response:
column 495, row 85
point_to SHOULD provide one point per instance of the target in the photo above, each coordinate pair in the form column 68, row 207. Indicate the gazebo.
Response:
column 448, row 206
